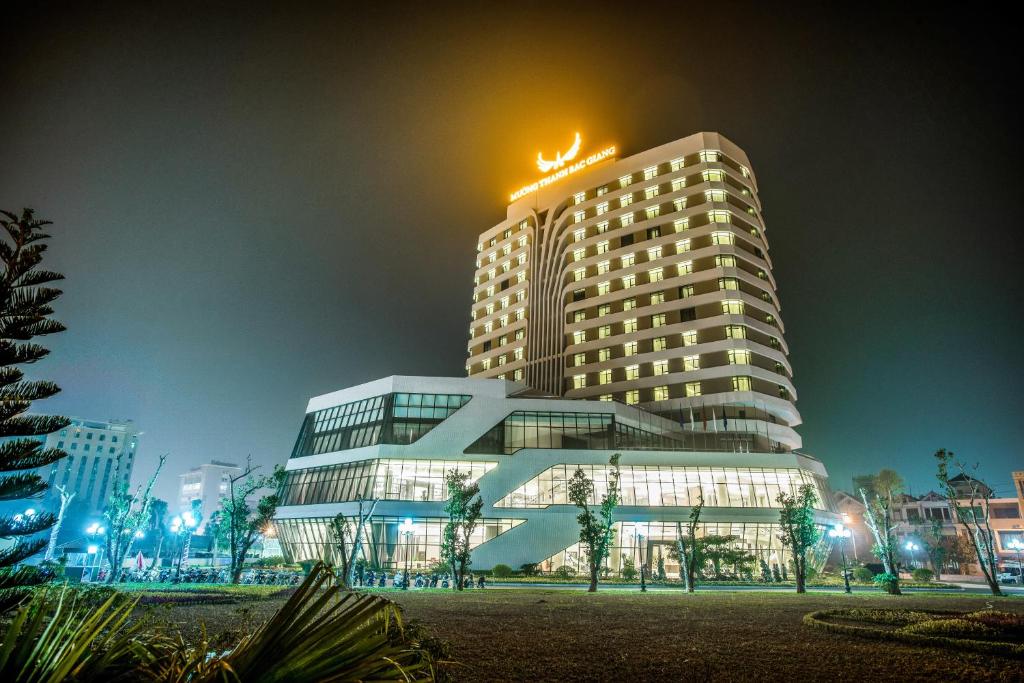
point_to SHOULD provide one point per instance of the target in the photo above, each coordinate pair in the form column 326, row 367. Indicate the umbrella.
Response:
column 139, row 561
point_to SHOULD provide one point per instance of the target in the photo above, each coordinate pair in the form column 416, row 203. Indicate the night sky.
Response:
column 253, row 205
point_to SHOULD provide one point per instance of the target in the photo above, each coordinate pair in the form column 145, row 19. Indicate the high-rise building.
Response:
column 644, row 280
column 100, row 453
column 207, row 483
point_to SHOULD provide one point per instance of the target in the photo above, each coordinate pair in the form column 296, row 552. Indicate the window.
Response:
column 517, row 374
column 653, row 233
column 687, row 314
column 691, row 363
column 729, row 283
column 490, row 308
column 741, row 384
column 735, row 332
column 579, row 336
column 520, row 313
column 578, row 254
column 721, row 237
column 579, row 274
column 652, row 211
column 718, row 216
column 626, row 199
column 605, row 397
column 518, row 353
column 629, row 325
column 628, row 304
column 604, row 354
column 657, row 298
column 579, row 197
column 661, row 393
column 713, row 175
column 625, row 180
column 579, row 316
column 692, row 389
column 632, row 397
column 604, row 377
column 626, row 240
column 602, row 191
column 629, row 348
column 651, row 192
column 629, row 281
column 650, row 172
column 739, row 357
column 707, row 155
column 626, row 219
column 603, row 310
column 681, row 224
column 603, row 267
column 684, row 267
column 579, row 381
column 658, row 320
column 656, row 275
column 660, row 343
column 502, row 358
column 602, row 227
column 578, row 216
column 682, row 245
column 603, row 288
column 486, row 363
column 678, row 184
column 627, row 260
column 502, row 321
column 660, row 367
column 689, row 337
column 602, row 247
column 604, row 331
column 579, row 235
column 732, row 307
column 602, row 208
column 632, row 372
column 580, row 294
column 654, row 253
column 522, row 241
column 714, row 195
column 676, row 164
column 725, row 261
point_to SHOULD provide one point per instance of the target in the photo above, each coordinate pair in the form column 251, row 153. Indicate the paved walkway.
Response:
column 972, row 588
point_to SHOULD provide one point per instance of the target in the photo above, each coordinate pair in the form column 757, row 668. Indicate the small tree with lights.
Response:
column 799, row 532
column 974, row 515
column 127, row 515
column 242, row 526
column 687, row 547
column 596, row 526
column 463, row 506
column 348, row 537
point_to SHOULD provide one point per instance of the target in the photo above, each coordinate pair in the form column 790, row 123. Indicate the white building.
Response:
column 207, row 483
column 100, row 453
column 395, row 438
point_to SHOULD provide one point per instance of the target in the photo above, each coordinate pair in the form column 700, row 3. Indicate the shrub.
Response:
column 923, row 575
column 1010, row 624
column 952, row 628
column 629, row 570
column 529, row 569
column 863, row 574
column 810, row 574
column 501, row 571
column 565, row 572
column 887, row 582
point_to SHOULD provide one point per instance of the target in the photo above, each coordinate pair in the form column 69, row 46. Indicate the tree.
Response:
column 25, row 310
column 463, row 506
column 596, row 527
column 126, row 514
column 688, row 547
column 974, row 516
column 243, row 524
column 799, row 531
column 65, row 500
column 348, row 535
column 157, row 528
column 878, row 517
column 932, row 539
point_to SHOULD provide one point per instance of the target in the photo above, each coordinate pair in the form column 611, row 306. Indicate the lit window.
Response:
column 632, row 372
column 502, row 321
column 632, row 397
column 625, row 180
column 650, row 172
column 628, row 304
column 676, row 164
column 605, row 397
column 488, row 326
column 681, row 224
column 682, row 245
column 729, row 283
column 626, row 199
column 713, row 175
column 660, row 367
column 602, row 208
column 685, row 267
column 745, row 171
column 629, row 348
column 722, row 237
column 654, row 253
column 521, row 294
column 661, row 393
column 520, row 333
column 603, row 310
column 517, row 374
column 657, row 298
column 518, row 353
column 692, row 389
column 602, row 227
column 625, row 219
column 604, row 331
column 579, row 381
column 578, row 254
column 602, row 191
column 579, row 197
column 502, row 358
column 629, row 281
column 603, row 267
column 660, row 343
column 718, row 216
column 579, row 235
column 520, row 313
column 725, row 261
column 652, row 211
column 732, row 307
column 691, row 363
column 486, row 362
column 506, row 250
column 504, row 302
column 521, row 259
column 629, row 325
column 603, row 288
column 651, row 192
column 490, row 291
column 714, row 195
column 689, row 337
column 491, row 273
column 707, row 155
column 678, row 184
column 579, row 316
column 578, row 216
column 741, row 384
column 490, row 308
column 604, row 377
column 679, row 204
column 522, row 241
column 739, row 357
column 656, row 274
column 521, row 276
column 604, row 354
column 579, row 336
column 686, row 291
column 602, row 247
column 579, row 274
column 658, row 320
column 627, row 260
column 735, row 332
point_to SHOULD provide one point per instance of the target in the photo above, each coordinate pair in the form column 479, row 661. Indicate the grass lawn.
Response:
column 564, row 635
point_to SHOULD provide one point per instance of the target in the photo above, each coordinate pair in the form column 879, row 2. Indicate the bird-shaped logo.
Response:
column 560, row 159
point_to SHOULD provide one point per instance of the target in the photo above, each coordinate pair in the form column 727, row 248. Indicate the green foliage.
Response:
column 240, row 524
column 464, row 507
column 922, row 575
column 887, row 582
column 528, row 569
column 863, row 574
column 956, row 628
column 565, row 572
column 799, row 530
column 501, row 571
column 766, row 573
column 596, row 528
column 629, row 572
column 25, row 310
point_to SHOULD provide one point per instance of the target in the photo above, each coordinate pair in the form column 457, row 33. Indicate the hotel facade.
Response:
column 623, row 306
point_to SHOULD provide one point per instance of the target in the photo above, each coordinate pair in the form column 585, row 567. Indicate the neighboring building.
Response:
column 208, row 483
column 644, row 280
column 858, row 547
column 100, row 454
column 395, row 438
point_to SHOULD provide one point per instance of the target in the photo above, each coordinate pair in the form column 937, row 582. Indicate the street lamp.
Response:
column 407, row 529
column 842, row 533
column 92, row 531
column 911, row 546
column 640, row 539
column 1016, row 546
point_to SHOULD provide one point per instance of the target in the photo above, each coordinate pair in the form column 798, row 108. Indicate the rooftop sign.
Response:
column 561, row 162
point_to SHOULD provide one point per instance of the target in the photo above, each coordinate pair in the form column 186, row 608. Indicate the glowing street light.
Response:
column 842, row 533
column 1016, row 546
column 911, row 546
column 407, row 529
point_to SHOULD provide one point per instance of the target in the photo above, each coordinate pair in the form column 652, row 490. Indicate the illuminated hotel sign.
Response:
column 565, row 168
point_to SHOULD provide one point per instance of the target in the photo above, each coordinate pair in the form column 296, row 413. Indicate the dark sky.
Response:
column 256, row 205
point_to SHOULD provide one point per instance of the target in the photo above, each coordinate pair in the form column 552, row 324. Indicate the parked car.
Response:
column 1009, row 575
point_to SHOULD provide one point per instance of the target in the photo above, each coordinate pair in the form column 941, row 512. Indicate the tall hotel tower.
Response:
column 644, row 280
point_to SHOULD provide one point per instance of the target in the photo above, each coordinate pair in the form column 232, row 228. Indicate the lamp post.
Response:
column 93, row 531
column 842, row 533
column 407, row 529
column 640, row 540
column 182, row 526
column 1016, row 546
column 911, row 546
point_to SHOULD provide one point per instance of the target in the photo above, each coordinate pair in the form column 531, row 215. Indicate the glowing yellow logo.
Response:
column 544, row 165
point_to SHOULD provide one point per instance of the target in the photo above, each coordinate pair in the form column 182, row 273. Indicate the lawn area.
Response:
column 565, row 635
